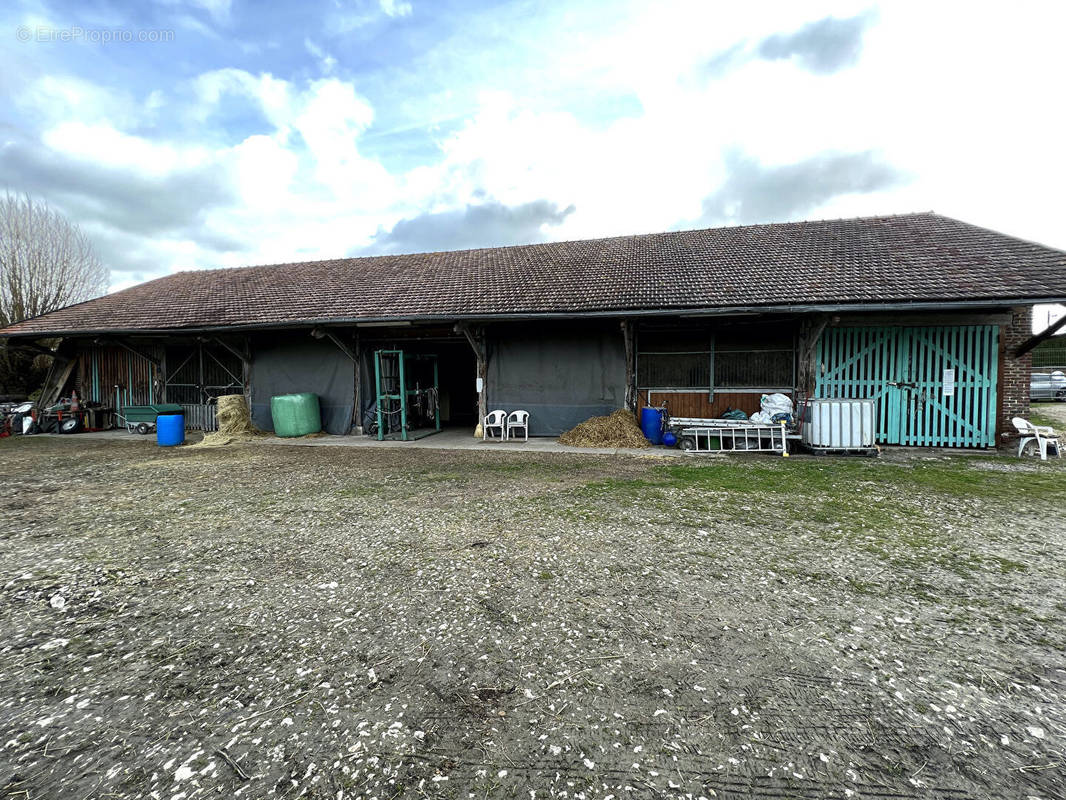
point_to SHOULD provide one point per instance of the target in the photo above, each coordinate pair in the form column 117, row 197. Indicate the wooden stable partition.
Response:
column 700, row 404
column 703, row 368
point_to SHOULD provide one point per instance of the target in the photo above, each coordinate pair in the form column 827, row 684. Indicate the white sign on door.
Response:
column 949, row 383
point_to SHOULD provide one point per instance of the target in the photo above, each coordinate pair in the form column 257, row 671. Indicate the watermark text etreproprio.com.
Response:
column 75, row 33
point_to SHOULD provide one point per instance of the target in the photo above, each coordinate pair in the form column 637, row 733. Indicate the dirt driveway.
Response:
column 325, row 623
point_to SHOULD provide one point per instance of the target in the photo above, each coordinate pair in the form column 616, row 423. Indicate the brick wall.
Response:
column 1014, row 373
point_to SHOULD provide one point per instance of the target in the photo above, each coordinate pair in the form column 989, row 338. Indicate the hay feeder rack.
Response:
column 697, row 435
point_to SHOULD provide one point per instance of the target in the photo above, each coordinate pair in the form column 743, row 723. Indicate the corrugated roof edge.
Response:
column 621, row 312
column 682, row 311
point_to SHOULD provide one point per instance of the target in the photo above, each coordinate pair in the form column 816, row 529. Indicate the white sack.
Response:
column 776, row 404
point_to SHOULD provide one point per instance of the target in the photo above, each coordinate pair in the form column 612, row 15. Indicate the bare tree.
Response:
column 46, row 262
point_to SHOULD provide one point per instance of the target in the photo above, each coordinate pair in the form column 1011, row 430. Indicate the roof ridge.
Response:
column 560, row 242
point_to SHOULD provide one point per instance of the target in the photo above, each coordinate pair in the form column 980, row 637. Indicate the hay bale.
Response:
column 619, row 429
column 234, row 423
column 233, row 416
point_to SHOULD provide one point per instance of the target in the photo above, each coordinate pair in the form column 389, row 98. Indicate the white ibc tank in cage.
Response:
column 840, row 424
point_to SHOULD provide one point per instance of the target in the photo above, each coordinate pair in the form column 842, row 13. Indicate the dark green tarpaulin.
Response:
column 297, row 363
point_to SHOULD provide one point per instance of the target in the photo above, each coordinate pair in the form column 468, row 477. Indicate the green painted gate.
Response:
column 907, row 370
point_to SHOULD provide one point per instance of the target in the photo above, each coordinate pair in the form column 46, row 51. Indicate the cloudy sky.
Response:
column 267, row 132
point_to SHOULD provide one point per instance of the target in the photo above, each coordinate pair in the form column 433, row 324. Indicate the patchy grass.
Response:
column 1037, row 416
column 433, row 624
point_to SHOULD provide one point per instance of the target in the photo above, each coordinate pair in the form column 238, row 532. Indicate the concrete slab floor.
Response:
column 461, row 439
column 448, row 439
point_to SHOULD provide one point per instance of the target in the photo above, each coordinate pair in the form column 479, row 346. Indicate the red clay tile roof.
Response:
column 875, row 260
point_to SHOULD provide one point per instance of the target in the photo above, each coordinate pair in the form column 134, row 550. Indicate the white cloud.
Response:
column 326, row 62
column 396, row 8
column 103, row 144
column 272, row 95
column 944, row 97
column 218, row 10
column 53, row 98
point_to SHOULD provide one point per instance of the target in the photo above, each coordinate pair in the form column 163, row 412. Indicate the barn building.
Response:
column 929, row 315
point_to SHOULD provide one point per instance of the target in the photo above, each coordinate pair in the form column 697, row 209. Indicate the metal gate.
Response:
column 935, row 386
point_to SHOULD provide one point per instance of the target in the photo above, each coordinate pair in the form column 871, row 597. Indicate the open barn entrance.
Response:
column 446, row 360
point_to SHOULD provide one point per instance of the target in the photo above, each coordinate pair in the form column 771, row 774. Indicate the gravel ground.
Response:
column 1054, row 411
column 261, row 622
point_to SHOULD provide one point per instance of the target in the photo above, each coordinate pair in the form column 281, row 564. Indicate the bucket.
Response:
column 651, row 424
column 169, row 429
column 670, row 439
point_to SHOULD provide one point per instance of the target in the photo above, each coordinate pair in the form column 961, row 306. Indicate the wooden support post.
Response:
column 357, row 413
column 403, row 399
column 483, row 377
column 810, row 335
column 377, row 389
column 246, row 372
column 476, row 338
column 631, row 388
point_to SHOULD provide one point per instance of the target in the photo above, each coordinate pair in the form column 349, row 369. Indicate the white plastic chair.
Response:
column 518, row 419
column 495, row 420
column 1041, row 434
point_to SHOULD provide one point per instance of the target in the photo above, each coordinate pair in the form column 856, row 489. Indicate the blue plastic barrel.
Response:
column 651, row 424
column 169, row 429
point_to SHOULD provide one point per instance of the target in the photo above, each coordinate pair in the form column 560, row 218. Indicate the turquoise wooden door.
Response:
column 935, row 386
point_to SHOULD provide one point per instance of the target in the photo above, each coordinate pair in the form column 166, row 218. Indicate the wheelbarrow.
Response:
column 141, row 419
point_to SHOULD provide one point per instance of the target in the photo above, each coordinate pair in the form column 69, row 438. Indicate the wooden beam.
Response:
column 477, row 344
column 57, row 377
column 242, row 355
column 358, row 403
column 810, row 335
column 1036, row 339
column 246, row 372
column 474, row 338
column 33, row 347
column 631, row 388
column 153, row 361
column 341, row 345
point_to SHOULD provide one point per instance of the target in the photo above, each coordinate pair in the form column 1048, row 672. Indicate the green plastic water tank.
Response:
column 295, row 414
